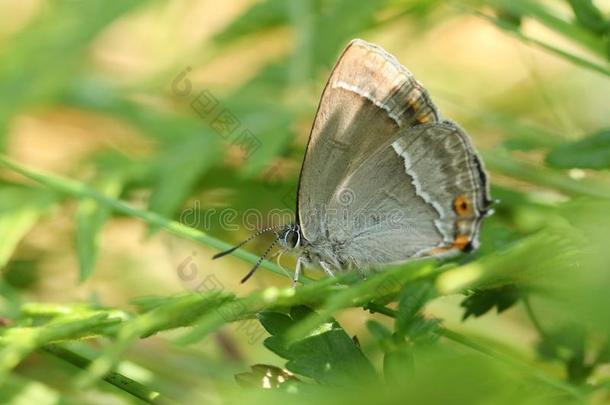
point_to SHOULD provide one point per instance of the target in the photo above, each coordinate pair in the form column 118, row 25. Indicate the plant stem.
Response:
column 118, row 380
column 79, row 190
column 550, row 48
column 504, row 163
column 465, row 341
column 530, row 313
column 372, row 307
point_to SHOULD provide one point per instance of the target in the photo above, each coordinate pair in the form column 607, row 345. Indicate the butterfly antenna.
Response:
column 234, row 248
column 259, row 261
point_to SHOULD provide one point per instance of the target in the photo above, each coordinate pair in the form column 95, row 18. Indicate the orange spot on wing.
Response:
column 461, row 242
column 462, row 206
column 423, row 119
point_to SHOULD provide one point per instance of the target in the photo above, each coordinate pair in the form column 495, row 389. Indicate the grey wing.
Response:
column 368, row 97
column 423, row 193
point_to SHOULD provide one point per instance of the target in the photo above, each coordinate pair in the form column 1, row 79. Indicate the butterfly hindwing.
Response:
column 422, row 193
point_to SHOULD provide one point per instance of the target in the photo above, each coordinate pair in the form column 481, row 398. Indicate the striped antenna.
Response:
column 259, row 261
column 234, row 248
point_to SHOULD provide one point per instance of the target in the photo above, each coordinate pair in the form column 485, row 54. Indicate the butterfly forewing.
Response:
column 368, row 97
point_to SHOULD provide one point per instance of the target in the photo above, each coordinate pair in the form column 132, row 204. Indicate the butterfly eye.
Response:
column 461, row 205
column 292, row 238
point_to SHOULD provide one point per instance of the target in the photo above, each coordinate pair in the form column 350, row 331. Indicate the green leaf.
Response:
column 16, row 389
column 591, row 152
column 593, row 43
column 265, row 127
column 20, row 209
column 502, row 162
column 330, row 357
column 548, row 17
column 90, row 218
column 179, row 169
column 261, row 16
column 568, row 344
column 481, row 301
column 18, row 342
column 329, row 37
column 509, row 17
column 589, row 16
column 43, row 58
column 274, row 322
column 328, row 354
column 300, row 312
column 274, row 136
column 79, row 190
column 398, row 362
column 382, row 335
column 378, row 330
column 562, row 342
column 531, row 140
column 411, row 300
column 162, row 315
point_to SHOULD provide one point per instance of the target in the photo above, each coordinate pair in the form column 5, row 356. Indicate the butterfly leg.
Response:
column 297, row 272
column 327, row 269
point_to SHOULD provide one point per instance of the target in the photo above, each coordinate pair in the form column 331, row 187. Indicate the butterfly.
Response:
column 385, row 179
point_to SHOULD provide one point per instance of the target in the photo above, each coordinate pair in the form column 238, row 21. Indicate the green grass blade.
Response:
column 16, row 389
column 120, row 381
column 536, row 10
column 180, row 311
column 90, row 218
column 577, row 60
column 180, row 168
column 591, row 152
column 20, row 209
column 18, row 342
column 43, row 58
column 502, row 162
column 79, row 190
column 589, row 16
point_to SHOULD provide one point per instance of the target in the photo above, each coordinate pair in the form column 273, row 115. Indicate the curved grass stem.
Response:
column 502, row 162
column 512, row 30
column 78, row 190
column 509, row 360
column 120, row 381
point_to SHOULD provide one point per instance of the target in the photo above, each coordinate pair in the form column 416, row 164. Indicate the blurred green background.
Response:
column 127, row 127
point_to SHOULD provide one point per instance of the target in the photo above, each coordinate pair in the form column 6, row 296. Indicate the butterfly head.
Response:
column 290, row 237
